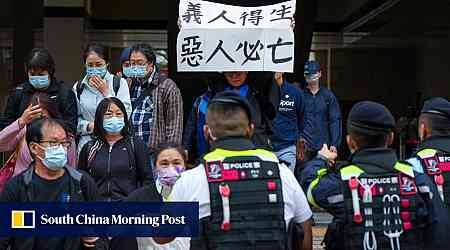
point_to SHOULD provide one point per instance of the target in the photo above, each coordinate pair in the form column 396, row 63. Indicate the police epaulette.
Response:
column 342, row 165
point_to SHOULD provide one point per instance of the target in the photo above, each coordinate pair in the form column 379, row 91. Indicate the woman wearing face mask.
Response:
column 124, row 61
column 94, row 87
column 170, row 162
column 40, row 69
column 115, row 159
column 13, row 137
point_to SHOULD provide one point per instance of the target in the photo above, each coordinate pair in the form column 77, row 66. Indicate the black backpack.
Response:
column 116, row 86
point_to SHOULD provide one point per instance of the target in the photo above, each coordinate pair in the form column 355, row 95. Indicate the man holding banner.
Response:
column 235, row 40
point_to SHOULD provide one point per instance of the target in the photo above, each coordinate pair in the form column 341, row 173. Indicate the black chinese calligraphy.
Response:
column 274, row 47
column 282, row 13
column 222, row 15
column 254, row 17
column 193, row 12
column 190, row 51
column 251, row 51
column 220, row 48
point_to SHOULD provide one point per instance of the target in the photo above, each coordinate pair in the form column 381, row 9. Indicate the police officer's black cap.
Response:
column 370, row 118
column 438, row 106
column 232, row 97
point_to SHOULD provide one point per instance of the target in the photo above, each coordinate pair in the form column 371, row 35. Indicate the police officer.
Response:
column 246, row 198
column 377, row 202
column 433, row 155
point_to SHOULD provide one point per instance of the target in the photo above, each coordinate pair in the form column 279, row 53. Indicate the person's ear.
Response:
column 150, row 67
column 390, row 139
column 351, row 143
column 250, row 130
column 422, row 131
column 320, row 74
column 208, row 135
column 34, row 148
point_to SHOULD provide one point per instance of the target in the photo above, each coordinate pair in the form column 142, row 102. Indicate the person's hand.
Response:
column 328, row 154
column 90, row 127
column 179, row 23
column 119, row 74
column 278, row 77
column 31, row 113
column 89, row 241
column 301, row 150
column 100, row 84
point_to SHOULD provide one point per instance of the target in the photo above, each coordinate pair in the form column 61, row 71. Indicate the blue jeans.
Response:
column 289, row 156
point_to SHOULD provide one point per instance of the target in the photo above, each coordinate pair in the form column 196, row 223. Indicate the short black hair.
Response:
column 165, row 146
column 35, row 131
column 438, row 125
column 102, row 107
column 373, row 140
column 227, row 119
column 40, row 58
column 98, row 49
column 145, row 49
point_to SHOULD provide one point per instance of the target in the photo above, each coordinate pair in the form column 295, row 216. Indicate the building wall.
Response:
column 382, row 75
column 64, row 37
column 433, row 68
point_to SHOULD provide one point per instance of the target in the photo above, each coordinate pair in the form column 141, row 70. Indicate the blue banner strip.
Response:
column 172, row 219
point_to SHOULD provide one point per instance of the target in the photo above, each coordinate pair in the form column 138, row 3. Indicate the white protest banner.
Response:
column 218, row 37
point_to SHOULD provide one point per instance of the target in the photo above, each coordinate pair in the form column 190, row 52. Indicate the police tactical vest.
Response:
column 247, row 209
column 380, row 210
column 436, row 164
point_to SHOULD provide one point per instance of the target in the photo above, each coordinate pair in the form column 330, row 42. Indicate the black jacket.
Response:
column 21, row 189
column 20, row 97
column 117, row 170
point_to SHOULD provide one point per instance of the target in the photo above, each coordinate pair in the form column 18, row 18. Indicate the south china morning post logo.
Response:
column 99, row 219
column 23, row 219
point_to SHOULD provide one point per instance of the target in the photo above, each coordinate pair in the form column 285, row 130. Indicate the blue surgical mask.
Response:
column 139, row 71
column 127, row 71
column 113, row 125
column 96, row 71
column 55, row 157
column 39, row 82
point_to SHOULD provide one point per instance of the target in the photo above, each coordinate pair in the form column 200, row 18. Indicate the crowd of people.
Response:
column 262, row 157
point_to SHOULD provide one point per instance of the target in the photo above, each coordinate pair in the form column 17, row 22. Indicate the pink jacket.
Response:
column 13, row 135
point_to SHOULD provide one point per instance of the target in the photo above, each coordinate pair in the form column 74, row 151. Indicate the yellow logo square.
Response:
column 21, row 219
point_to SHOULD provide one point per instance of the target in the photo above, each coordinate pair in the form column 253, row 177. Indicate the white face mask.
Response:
column 312, row 78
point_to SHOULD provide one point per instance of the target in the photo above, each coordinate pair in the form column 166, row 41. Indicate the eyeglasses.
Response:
column 65, row 144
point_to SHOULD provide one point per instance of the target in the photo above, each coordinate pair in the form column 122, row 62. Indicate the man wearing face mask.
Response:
column 377, row 201
column 40, row 68
column 324, row 123
column 247, row 199
column 157, row 115
column 48, row 179
column 433, row 156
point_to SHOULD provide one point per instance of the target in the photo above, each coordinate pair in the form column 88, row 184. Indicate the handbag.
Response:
column 7, row 171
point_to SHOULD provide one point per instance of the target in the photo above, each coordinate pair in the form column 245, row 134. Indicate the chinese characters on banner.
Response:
column 219, row 37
